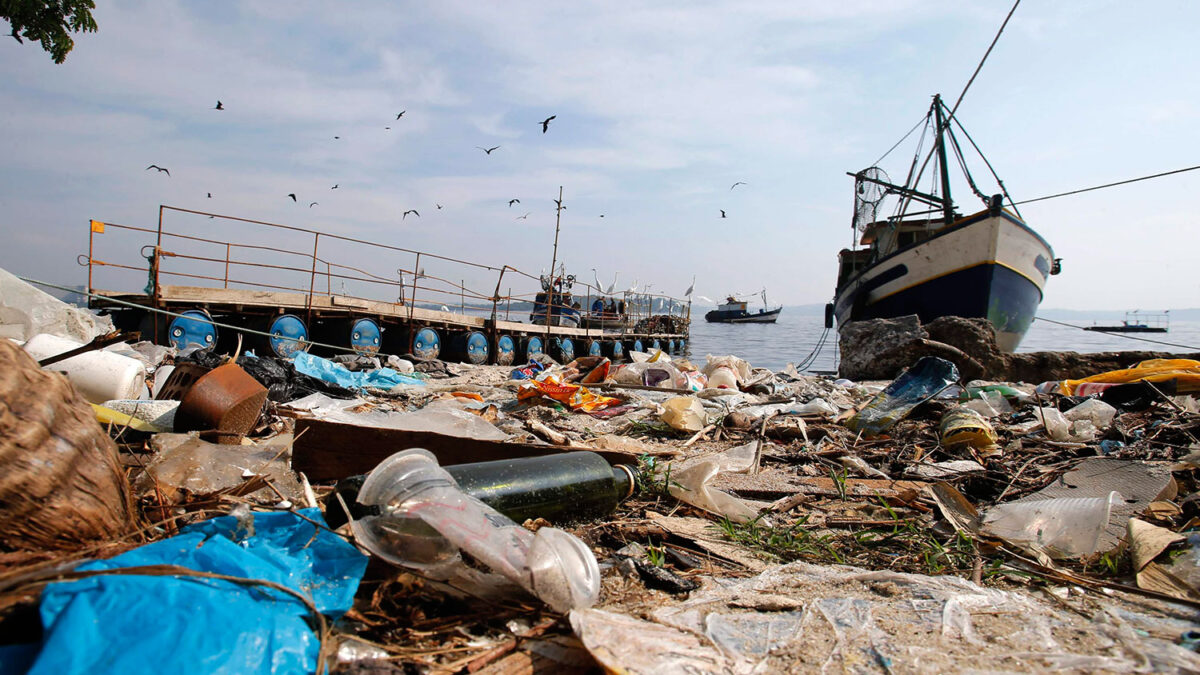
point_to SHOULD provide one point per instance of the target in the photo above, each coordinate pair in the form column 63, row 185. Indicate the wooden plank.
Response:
column 326, row 451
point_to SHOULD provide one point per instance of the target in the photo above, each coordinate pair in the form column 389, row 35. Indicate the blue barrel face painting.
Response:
column 670, row 346
column 637, row 346
column 594, row 348
column 289, row 335
column 193, row 329
column 533, row 346
column 655, row 344
column 365, row 336
column 614, row 349
column 506, row 350
column 427, row 344
column 477, row 348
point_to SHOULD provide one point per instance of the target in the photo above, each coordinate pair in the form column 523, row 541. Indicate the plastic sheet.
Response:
column 1066, row 527
column 328, row 371
column 184, row 462
column 100, row 623
column 690, row 482
column 928, row 377
column 26, row 311
column 684, row 413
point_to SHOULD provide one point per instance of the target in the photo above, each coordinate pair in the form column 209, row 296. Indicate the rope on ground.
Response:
column 1128, row 337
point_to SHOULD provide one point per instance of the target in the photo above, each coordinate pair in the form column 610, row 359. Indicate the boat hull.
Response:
column 989, row 265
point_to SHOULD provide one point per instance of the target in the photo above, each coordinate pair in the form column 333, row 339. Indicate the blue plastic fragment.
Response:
column 181, row 624
column 336, row 373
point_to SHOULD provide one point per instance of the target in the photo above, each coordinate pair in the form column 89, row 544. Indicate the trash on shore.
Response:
column 644, row 516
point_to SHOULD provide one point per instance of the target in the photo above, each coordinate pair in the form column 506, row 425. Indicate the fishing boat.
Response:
column 930, row 260
column 553, row 306
column 605, row 313
column 1138, row 322
column 734, row 311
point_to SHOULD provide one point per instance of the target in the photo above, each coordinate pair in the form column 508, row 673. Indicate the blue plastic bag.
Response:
column 180, row 624
column 336, row 373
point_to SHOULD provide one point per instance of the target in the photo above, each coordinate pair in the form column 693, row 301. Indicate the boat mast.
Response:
column 947, row 205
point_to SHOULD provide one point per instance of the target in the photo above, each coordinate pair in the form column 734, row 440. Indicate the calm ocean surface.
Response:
column 793, row 338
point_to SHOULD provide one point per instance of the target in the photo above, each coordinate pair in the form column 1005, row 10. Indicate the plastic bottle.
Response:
column 924, row 380
column 99, row 375
column 424, row 521
column 963, row 426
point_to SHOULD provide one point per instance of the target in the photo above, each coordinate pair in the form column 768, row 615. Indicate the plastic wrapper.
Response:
column 689, row 482
column 1066, row 527
column 573, row 396
column 925, row 379
column 184, row 463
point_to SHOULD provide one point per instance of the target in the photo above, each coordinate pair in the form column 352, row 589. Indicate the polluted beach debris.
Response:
column 643, row 512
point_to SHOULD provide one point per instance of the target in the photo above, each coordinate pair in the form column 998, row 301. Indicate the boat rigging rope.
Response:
column 981, row 62
column 816, row 351
column 1108, row 185
column 1129, row 337
column 916, row 126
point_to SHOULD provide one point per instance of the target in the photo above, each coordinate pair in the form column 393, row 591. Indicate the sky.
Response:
column 659, row 108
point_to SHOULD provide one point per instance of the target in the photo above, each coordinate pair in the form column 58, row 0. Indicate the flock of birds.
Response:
column 545, row 124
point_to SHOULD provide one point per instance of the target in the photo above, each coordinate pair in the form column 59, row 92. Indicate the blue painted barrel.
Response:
column 681, row 346
column 470, row 347
column 288, row 335
column 654, row 344
column 530, row 346
column 506, row 350
column 670, row 346
column 193, row 329
column 563, row 349
column 614, row 350
column 636, row 346
column 595, row 348
column 365, row 336
column 426, row 343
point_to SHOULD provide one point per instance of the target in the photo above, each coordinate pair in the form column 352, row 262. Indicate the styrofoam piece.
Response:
column 98, row 375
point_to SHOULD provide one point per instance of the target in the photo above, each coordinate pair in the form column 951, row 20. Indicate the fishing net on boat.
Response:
column 868, row 196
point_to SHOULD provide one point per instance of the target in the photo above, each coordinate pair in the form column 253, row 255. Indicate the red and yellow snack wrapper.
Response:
column 573, row 396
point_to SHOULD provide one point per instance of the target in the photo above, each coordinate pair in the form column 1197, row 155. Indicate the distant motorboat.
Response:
column 1136, row 322
column 734, row 311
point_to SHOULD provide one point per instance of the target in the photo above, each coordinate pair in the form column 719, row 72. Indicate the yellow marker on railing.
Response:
column 97, row 227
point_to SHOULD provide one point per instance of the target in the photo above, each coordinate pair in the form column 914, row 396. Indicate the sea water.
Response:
column 794, row 337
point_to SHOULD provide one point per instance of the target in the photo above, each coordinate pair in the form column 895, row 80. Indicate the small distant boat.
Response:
column 734, row 311
column 1136, row 322
column 554, row 305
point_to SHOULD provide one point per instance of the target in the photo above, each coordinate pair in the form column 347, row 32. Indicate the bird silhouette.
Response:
column 219, row 106
column 488, row 151
column 722, row 212
column 292, row 195
column 546, row 123
column 524, row 217
column 438, row 205
column 160, row 169
column 400, row 114
column 387, row 128
column 513, row 201
column 445, row 308
column 312, row 204
column 737, row 184
column 559, row 205
column 412, row 211
column 337, row 138
column 333, row 188
column 601, row 215
column 210, row 195
column 688, row 292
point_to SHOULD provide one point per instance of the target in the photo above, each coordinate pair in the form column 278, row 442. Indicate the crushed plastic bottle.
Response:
column 925, row 379
column 425, row 520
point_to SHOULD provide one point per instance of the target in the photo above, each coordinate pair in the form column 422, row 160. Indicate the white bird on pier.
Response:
column 688, row 292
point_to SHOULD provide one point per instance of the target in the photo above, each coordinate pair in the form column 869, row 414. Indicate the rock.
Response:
column 878, row 349
column 62, row 484
column 976, row 338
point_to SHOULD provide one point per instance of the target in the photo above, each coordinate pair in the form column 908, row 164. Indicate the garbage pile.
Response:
column 363, row 513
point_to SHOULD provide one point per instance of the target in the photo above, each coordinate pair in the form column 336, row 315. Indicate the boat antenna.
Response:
column 554, row 258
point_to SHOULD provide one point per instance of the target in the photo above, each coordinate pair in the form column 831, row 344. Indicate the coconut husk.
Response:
column 61, row 481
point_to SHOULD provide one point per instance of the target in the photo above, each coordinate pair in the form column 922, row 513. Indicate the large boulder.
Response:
column 878, row 349
column 61, row 481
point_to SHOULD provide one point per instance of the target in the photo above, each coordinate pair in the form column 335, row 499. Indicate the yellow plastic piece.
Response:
column 120, row 419
column 1185, row 372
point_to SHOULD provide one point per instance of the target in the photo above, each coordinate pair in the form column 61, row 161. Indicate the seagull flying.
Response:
column 513, row 201
column 488, row 151
column 333, row 188
column 312, row 204
column 546, row 123
column 292, row 195
column 160, row 169
column 219, row 106
column 412, row 211
column 737, row 184
column 438, row 205
column 210, row 195
column 400, row 114
column 722, row 212
column 522, row 217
